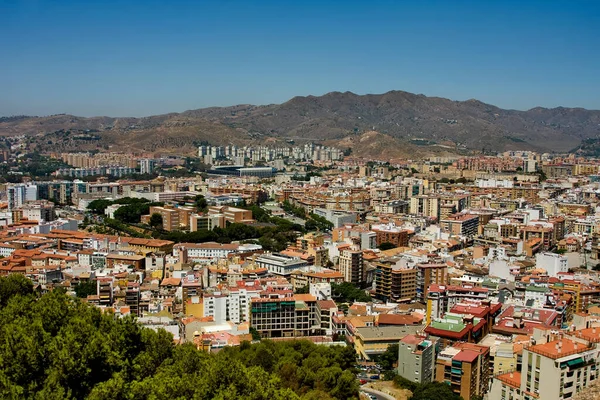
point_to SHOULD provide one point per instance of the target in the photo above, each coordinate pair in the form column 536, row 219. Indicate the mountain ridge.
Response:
column 406, row 118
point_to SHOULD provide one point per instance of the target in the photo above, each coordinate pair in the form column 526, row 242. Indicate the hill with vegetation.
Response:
column 56, row 347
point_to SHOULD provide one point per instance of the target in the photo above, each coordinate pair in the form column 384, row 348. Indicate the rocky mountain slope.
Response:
column 402, row 123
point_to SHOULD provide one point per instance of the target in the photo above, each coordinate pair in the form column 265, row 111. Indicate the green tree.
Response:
column 434, row 390
column 347, row 292
column 389, row 357
column 84, row 289
column 386, row 246
column 57, row 347
column 98, row 206
column 14, row 285
column 255, row 334
column 200, row 203
column 156, row 221
column 303, row 290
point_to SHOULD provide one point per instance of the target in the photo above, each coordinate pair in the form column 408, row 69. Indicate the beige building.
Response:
column 425, row 205
column 170, row 217
column 554, row 370
column 395, row 283
column 465, row 368
column 352, row 265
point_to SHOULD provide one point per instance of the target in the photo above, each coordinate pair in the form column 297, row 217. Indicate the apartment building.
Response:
column 425, row 205
column 465, row 368
column 416, row 358
column 39, row 211
column 554, row 370
column 170, row 217
column 461, row 224
column 394, row 282
column 280, row 264
column 104, row 290
column 441, row 298
column 18, row 194
column 390, row 233
column 232, row 304
column 198, row 252
column 300, row 279
column 429, row 274
column 326, row 309
column 359, row 234
column 553, row 263
column 371, row 341
column 352, row 265
column 132, row 298
column 205, row 222
column 231, row 214
column 291, row 316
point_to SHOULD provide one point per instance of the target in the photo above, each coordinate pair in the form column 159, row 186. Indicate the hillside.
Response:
column 403, row 120
column 58, row 347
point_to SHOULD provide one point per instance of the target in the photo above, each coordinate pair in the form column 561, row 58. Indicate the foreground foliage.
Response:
column 426, row 391
column 56, row 347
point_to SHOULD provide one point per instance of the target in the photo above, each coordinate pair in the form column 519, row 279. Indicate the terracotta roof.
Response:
column 170, row 282
column 326, row 304
column 466, row 356
column 304, row 297
column 565, row 347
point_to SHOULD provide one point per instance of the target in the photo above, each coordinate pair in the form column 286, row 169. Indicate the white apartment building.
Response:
column 280, row 264
column 38, row 212
column 202, row 251
column 555, row 370
column 18, row 194
column 230, row 305
column 552, row 263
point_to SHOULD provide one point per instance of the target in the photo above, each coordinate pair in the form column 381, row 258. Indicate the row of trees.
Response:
column 130, row 212
column 428, row 391
column 56, row 347
column 313, row 221
column 274, row 233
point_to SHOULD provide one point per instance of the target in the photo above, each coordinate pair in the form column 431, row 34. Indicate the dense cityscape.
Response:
column 478, row 272
column 314, row 200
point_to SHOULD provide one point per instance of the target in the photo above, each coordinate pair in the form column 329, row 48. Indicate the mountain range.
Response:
column 393, row 124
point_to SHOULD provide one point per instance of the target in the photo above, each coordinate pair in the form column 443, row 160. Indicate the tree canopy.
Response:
column 426, row 391
column 156, row 221
column 57, row 347
column 347, row 292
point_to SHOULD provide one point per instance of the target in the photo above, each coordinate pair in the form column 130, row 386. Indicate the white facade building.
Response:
column 552, row 263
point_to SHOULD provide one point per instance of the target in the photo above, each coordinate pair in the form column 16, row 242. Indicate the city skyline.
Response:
column 139, row 59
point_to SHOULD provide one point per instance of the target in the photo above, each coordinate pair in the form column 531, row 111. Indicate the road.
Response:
column 377, row 393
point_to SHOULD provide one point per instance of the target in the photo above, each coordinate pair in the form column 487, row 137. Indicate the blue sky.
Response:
column 136, row 58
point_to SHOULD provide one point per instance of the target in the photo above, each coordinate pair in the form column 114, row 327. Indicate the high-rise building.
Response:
column 416, row 358
column 465, row 368
column 18, row 194
column 147, row 166
column 292, row 316
column 428, row 274
column 352, row 265
column 132, row 298
column 425, row 205
column 394, row 282
column 554, row 370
